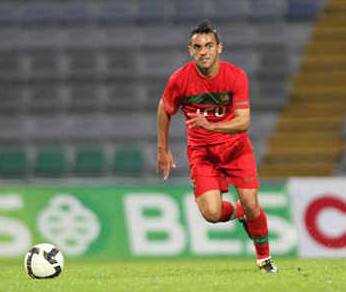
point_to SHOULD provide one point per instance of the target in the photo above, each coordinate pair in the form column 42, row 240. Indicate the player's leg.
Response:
column 241, row 170
column 209, row 184
column 210, row 206
column 208, row 193
column 257, row 227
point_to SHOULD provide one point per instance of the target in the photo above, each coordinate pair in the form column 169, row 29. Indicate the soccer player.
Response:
column 213, row 95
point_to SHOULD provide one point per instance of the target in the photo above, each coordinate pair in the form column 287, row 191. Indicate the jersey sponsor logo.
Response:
column 210, row 98
column 218, row 101
column 216, row 111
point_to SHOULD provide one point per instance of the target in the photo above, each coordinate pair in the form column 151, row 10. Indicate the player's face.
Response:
column 205, row 50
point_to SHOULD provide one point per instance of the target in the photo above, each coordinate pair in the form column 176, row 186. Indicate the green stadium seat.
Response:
column 89, row 161
column 128, row 161
column 50, row 162
column 13, row 162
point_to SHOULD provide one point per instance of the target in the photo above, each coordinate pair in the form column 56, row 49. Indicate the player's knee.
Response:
column 251, row 208
column 212, row 215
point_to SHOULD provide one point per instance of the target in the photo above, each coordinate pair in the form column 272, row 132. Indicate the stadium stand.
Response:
column 308, row 140
column 77, row 73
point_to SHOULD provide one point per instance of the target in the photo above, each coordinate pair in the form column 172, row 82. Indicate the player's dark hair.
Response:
column 205, row 26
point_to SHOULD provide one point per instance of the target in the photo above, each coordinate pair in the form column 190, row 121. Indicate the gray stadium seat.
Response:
column 12, row 98
column 120, row 63
column 237, row 36
column 44, row 64
column 248, row 60
column 235, row 10
column 83, row 97
column 55, row 13
column 123, row 97
column 189, row 11
column 12, row 65
column 267, row 10
column 13, row 129
column 160, row 37
column 46, row 128
column 160, row 64
column 262, row 124
column 82, row 63
column 117, row 12
column 86, row 128
column 152, row 11
column 120, row 37
column 45, row 98
column 152, row 93
column 41, row 12
column 9, row 13
column 132, row 126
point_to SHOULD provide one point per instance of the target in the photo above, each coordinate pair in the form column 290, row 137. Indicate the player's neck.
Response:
column 210, row 72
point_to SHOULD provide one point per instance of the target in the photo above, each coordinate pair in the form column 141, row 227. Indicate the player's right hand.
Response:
column 165, row 162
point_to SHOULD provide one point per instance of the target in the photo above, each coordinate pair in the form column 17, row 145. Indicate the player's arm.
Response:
column 240, row 122
column 165, row 159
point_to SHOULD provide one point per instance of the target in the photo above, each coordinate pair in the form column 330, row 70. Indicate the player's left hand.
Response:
column 198, row 120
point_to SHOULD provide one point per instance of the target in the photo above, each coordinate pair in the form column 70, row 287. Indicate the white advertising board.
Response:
column 319, row 212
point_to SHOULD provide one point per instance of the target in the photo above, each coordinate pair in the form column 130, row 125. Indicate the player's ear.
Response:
column 220, row 48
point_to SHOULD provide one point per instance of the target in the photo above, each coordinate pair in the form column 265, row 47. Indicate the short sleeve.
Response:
column 241, row 91
column 170, row 97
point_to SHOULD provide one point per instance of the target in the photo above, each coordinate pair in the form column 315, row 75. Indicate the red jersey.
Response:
column 217, row 98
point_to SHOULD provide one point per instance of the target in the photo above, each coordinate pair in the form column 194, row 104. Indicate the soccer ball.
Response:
column 43, row 261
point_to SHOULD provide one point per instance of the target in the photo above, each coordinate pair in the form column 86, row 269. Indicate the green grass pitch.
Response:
column 199, row 275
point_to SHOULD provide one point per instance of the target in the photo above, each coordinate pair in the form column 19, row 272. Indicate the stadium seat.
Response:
column 114, row 12
column 13, row 162
column 44, row 98
column 120, row 63
column 158, row 64
column 225, row 10
column 13, row 129
column 267, row 10
column 44, row 64
column 189, row 11
column 76, row 12
column 128, row 161
column 54, row 13
column 9, row 13
column 298, row 10
column 131, row 126
column 237, row 37
column 152, row 92
column 88, row 128
column 50, row 162
column 11, row 65
column 49, row 128
column 159, row 37
column 83, row 97
column 40, row 12
column 122, row 97
column 82, row 63
column 89, row 161
column 152, row 11
column 11, row 96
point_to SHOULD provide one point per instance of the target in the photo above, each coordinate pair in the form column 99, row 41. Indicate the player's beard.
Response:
column 207, row 67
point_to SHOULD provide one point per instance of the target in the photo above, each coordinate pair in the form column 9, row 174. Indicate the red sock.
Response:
column 226, row 211
column 239, row 210
column 258, row 229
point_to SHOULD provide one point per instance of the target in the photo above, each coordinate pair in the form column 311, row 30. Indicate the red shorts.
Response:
column 213, row 167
